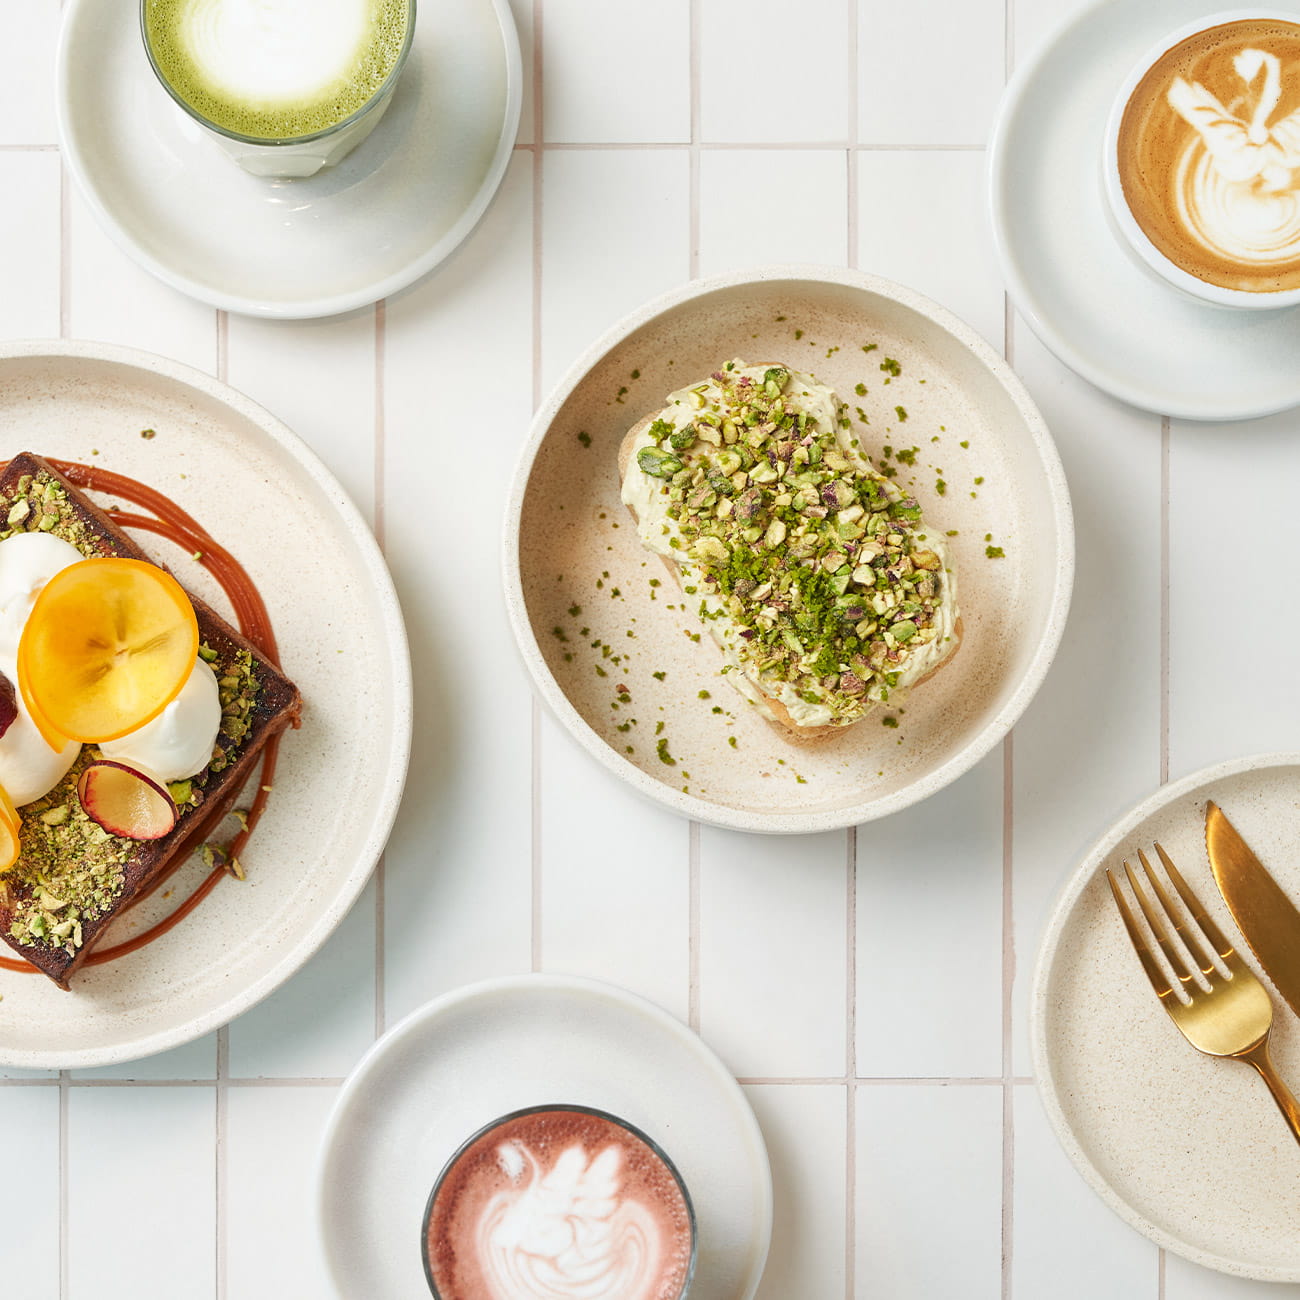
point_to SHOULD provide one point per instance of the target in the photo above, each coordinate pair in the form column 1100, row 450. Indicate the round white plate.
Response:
column 389, row 212
column 1189, row 1149
column 1083, row 294
column 479, row 1052
column 571, row 545
column 260, row 492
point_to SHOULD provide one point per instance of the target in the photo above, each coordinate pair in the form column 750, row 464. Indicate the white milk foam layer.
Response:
column 570, row 1233
column 275, row 51
column 1238, row 180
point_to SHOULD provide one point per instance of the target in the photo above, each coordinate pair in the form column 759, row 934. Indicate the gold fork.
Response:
column 1219, row 1014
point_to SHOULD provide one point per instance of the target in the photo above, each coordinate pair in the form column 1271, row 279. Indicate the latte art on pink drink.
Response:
column 559, row 1204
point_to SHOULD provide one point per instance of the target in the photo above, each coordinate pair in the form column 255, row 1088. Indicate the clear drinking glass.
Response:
column 300, row 155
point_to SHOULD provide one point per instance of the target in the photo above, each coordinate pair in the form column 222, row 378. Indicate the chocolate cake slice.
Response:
column 73, row 878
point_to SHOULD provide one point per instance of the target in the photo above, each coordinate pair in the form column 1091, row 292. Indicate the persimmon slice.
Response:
column 10, row 828
column 108, row 645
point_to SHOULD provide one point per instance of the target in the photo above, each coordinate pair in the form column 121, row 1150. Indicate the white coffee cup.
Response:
column 1131, row 232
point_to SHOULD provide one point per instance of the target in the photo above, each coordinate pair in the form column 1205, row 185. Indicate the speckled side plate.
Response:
column 259, row 491
column 590, row 620
column 1189, row 1149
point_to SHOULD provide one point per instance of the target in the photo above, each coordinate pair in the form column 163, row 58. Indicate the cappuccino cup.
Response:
column 1201, row 163
column 284, row 87
column 560, row 1201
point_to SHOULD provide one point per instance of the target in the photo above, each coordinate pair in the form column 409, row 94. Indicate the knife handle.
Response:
column 1259, row 1057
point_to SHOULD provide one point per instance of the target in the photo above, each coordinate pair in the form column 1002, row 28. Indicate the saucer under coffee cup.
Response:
column 1201, row 163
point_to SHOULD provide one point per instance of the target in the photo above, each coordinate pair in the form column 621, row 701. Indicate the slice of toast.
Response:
column 73, row 879
column 773, row 709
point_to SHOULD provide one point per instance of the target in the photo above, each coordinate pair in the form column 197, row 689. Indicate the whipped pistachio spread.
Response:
column 812, row 571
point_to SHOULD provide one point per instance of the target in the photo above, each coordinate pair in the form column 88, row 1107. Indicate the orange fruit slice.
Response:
column 108, row 645
column 10, row 827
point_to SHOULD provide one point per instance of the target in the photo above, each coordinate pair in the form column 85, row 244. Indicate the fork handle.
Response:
column 1259, row 1057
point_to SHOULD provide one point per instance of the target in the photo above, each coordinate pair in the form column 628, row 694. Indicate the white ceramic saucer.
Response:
column 1083, row 294
column 388, row 213
column 1188, row 1149
column 490, row 1048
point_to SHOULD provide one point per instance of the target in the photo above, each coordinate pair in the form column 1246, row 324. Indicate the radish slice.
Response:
column 126, row 802
column 8, row 704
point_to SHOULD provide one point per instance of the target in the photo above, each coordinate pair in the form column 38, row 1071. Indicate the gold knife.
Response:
column 1263, row 913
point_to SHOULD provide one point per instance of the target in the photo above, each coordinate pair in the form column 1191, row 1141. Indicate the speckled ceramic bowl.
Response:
column 612, row 653
column 1188, row 1149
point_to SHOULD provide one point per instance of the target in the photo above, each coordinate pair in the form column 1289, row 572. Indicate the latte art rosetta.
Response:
column 568, row 1234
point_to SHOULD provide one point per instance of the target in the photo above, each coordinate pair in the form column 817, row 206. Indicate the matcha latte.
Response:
column 276, row 70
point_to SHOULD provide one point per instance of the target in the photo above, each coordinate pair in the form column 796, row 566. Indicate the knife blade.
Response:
column 1263, row 912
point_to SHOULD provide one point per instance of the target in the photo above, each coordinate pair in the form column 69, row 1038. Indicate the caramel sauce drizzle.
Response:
column 168, row 520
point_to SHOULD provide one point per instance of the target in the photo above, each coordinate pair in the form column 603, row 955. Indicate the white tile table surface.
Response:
column 868, row 988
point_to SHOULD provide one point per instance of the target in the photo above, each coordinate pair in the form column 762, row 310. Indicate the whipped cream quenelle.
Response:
column 29, row 767
column 176, row 744
column 793, row 576
column 1208, row 155
column 559, row 1204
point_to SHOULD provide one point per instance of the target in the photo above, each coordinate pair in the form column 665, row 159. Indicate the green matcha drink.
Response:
column 276, row 70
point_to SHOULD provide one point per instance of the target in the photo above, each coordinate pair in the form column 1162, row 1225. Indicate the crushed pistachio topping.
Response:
column 830, row 589
column 40, row 505
column 70, row 869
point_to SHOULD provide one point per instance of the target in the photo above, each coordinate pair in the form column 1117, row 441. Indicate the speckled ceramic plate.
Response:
column 591, row 620
column 257, row 489
column 1189, row 1149
column 490, row 1048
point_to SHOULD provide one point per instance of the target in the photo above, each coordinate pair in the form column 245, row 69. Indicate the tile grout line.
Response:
column 539, row 153
column 851, row 171
column 1008, row 837
column 693, row 925
column 65, row 1244
column 693, row 271
column 65, row 252
column 743, row 146
column 851, row 1061
column 693, row 255
column 380, row 428
column 219, row 1161
column 65, row 317
column 1008, row 1019
column 1165, row 441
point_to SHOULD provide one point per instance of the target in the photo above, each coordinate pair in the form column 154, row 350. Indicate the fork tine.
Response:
column 1195, row 949
column 1173, row 956
column 1193, row 904
column 1155, row 972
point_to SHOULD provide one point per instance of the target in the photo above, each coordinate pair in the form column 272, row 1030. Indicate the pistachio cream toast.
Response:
column 130, row 715
column 813, row 572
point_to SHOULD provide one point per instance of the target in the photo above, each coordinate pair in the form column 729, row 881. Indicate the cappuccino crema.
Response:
column 1209, row 155
column 276, row 70
column 559, row 1203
